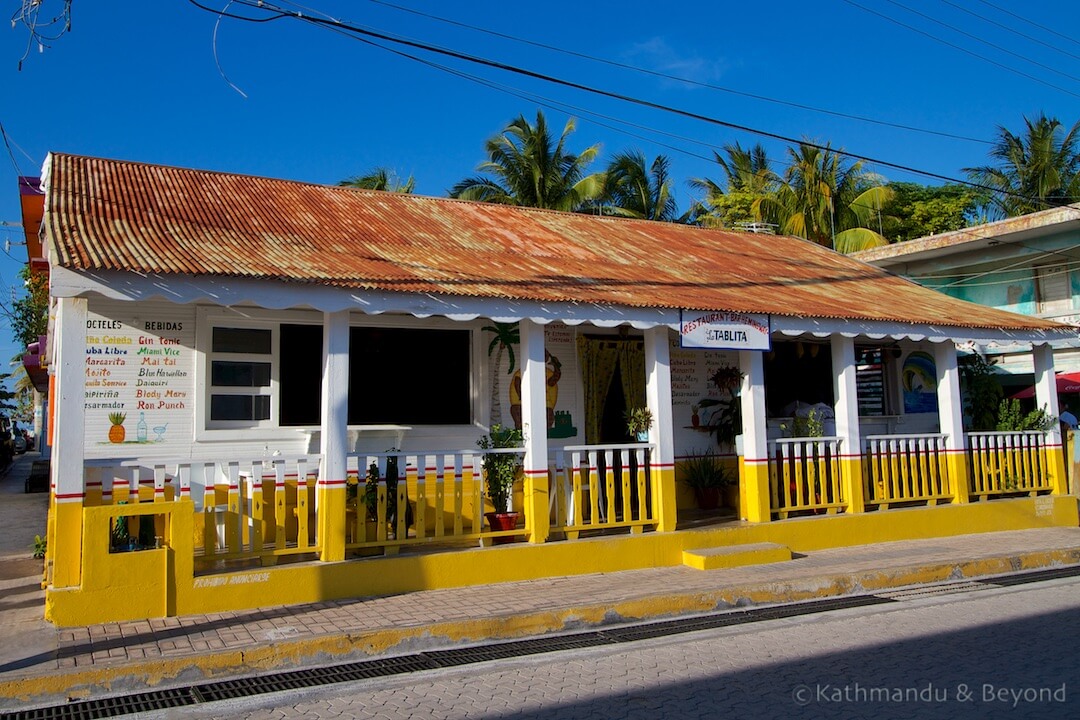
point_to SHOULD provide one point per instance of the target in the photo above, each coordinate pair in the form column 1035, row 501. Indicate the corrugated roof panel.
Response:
column 115, row 215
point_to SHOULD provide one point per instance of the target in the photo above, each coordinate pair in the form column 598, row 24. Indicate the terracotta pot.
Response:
column 708, row 498
column 502, row 521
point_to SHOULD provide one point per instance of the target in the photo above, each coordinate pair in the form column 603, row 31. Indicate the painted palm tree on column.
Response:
column 1034, row 170
column 528, row 166
column 635, row 188
column 381, row 179
column 507, row 335
column 827, row 200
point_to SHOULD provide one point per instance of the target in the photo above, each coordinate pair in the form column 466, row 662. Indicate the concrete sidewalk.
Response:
column 41, row 664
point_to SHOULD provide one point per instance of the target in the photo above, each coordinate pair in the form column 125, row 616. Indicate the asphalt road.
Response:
column 984, row 653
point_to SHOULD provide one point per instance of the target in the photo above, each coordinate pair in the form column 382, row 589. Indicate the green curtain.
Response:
column 632, row 371
column 598, row 362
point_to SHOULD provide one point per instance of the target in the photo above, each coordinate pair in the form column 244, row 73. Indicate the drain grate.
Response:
column 109, row 707
column 1023, row 578
column 953, row 588
column 516, row 648
column 385, row 667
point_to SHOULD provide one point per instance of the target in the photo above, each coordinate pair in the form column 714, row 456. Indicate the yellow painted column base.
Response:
column 851, row 473
column 1055, row 464
column 665, row 500
column 66, row 546
column 754, row 479
column 536, row 505
column 331, row 519
column 957, row 464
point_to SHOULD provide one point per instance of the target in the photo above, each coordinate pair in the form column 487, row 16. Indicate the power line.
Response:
column 327, row 22
column 1030, row 22
column 961, row 49
column 677, row 78
column 1013, row 30
column 982, row 40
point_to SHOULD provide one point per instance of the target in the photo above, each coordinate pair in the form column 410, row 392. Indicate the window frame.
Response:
column 209, row 317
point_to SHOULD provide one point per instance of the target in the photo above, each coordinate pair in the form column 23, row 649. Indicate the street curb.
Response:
column 139, row 675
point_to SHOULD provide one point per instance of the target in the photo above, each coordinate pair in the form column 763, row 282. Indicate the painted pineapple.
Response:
column 116, row 431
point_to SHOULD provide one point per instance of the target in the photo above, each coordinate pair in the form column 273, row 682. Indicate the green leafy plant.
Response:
column 638, row 420
column 980, row 392
column 704, row 470
column 371, row 492
column 41, row 546
column 500, row 469
column 1011, row 417
column 727, row 377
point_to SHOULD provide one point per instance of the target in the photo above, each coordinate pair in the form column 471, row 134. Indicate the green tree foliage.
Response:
column 980, row 392
column 526, row 165
column 1033, row 170
column 919, row 210
column 381, row 179
column 827, row 200
column 633, row 187
column 29, row 315
column 1012, row 418
column 746, row 178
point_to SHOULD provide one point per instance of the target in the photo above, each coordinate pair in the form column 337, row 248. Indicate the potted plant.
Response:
column 638, row 422
column 501, row 470
column 727, row 378
column 707, row 476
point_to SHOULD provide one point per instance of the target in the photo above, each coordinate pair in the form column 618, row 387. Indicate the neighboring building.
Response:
column 1028, row 264
column 231, row 358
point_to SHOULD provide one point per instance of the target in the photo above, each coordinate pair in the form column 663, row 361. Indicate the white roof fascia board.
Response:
column 275, row 295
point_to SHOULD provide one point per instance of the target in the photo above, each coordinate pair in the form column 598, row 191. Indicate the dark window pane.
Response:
column 301, row 374
column 239, row 374
column 241, row 340
column 239, row 407
column 409, row 377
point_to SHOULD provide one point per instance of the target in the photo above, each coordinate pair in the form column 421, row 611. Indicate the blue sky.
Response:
column 140, row 81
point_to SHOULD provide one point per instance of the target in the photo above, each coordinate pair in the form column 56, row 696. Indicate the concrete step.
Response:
column 735, row 555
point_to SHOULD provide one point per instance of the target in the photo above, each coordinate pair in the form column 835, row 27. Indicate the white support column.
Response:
column 754, row 461
column 534, row 425
column 68, row 487
column 330, row 488
column 661, row 434
column 1047, row 399
column 951, row 418
column 846, row 411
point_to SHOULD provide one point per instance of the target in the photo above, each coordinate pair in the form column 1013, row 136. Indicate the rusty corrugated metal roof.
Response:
column 115, row 215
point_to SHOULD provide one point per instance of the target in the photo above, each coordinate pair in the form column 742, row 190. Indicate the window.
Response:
column 245, row 388
column 870, row 380
column 240, row 370
column 405, row 376
column 1052, row 289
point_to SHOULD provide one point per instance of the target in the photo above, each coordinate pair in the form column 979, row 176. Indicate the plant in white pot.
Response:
column 638, row 422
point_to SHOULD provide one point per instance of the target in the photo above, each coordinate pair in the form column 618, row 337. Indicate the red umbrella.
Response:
column 1066, row 383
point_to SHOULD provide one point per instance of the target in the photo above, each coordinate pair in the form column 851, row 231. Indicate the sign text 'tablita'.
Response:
column 723, row 330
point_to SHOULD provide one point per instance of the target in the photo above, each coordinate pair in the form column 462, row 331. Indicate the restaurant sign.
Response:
column 722, row 330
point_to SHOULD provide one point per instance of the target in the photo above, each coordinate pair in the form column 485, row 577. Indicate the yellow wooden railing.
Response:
column 442, row 491
column 1003, row 463
column 905, row 469
column 804, row 476
column 256, row 509
column 598, row 487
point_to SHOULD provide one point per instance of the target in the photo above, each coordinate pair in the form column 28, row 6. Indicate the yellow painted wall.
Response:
column 125, row 586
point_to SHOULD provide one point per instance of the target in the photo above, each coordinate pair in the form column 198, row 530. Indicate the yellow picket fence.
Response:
column 601, row 487
column 805, row 476
column 905, row 469
column 1003, row 463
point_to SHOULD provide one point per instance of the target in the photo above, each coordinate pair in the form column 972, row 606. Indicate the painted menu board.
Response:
column 140, row 379
column 691, row 371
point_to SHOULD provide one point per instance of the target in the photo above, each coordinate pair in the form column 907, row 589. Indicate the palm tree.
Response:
column 380, row 179
column 507, row 335
column 529, row 167
column 634, row 188
column 824, row 199
column 1033, row 171
column 747, row 177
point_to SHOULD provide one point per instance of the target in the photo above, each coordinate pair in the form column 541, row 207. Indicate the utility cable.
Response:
column 961, row 49
column 677, row 78
column 280, row 12
column 1031, row 22
column 1003, row 26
